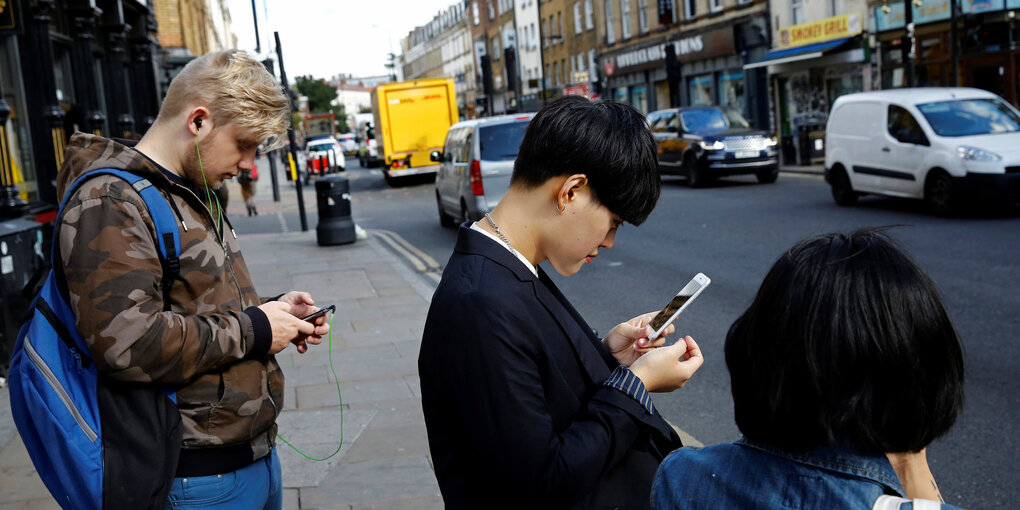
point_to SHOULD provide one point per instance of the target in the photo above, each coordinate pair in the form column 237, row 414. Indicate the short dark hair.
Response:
column 609, row 142
column 846, row 341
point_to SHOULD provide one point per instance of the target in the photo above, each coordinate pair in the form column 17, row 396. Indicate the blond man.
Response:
column 208, row 335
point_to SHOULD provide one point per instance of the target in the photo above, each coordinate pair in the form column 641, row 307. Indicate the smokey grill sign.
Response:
column 696, row 47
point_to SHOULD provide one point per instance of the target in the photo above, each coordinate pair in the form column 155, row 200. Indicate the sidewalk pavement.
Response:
column 384, row 462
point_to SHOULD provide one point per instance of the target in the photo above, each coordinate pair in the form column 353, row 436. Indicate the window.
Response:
column 589, row 15
column 625, row 19
column 700, row 90
column 559, row 25
column 689, row 12
column 797, row 11
column 642, row 8
column 577, row 17
column 534, row 41
column 610, row 36
column 545, row 34
column 474, row 12
column 556, row 74
column 492, row 13
column 902, row 125
column 591, row 66
column 715, row 5
column 495, row 48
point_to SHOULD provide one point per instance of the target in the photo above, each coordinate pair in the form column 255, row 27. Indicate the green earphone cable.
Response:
column 208, row 194
column 337, row 380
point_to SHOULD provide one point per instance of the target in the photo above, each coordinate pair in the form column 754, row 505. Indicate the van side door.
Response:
column 904, row 152
column 446, row 176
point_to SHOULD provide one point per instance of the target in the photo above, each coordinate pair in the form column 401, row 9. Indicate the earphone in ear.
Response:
column 198, row 123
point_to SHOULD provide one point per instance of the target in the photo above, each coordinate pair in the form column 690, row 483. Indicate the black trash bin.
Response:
column 333, row 194
column 23, row 254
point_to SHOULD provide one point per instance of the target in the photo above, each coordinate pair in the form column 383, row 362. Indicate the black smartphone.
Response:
column 309, row 318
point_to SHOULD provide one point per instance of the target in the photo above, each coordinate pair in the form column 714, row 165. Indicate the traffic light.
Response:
column 391, row 64
column 510, row 59
column 486, row 75
column 971, row 32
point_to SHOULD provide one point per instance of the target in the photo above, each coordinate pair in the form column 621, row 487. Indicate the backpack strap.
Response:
column 168, row 235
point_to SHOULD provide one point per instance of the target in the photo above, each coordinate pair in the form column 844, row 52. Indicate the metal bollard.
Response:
column 333, row 198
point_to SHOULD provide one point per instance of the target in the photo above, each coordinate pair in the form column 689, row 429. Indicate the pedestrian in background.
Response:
column 208, row 335
column 246, row 178
column 843, row 369
column 525, row 406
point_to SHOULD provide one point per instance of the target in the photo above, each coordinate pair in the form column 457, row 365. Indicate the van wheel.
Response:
column 768, row 176
column 940, row 193
column 444, row 219
column 695, row 177
column 842, row 191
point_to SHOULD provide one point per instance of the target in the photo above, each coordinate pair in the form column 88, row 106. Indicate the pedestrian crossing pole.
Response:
column 291, row 156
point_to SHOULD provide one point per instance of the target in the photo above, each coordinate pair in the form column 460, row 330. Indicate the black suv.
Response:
column 705, row 142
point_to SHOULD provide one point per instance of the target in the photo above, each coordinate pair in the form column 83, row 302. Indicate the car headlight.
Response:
column 770, row 141
column 712, row 146
column 967, row 153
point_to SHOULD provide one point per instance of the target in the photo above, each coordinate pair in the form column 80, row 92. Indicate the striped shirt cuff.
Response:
column 624, row 380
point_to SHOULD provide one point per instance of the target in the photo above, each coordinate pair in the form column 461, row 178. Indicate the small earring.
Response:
column 561, row 207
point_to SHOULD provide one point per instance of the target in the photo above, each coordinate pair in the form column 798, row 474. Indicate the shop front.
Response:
column 987, row 55
column 813, row 64
column 707, row 70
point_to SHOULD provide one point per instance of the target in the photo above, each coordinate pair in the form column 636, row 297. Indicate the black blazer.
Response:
column 511, row 383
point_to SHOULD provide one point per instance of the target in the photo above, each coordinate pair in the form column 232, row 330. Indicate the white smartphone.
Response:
column 676, row 305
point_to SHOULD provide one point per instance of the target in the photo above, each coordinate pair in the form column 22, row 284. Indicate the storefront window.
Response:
column 19, row 142
column 700, row 88
column 620, row 95
column 639, row 98
column 841, row 81
column 731, row 90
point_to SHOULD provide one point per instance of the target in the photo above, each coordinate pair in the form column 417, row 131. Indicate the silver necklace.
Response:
column 500, row 234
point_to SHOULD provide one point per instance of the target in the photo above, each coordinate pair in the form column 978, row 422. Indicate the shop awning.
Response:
column 799, row 53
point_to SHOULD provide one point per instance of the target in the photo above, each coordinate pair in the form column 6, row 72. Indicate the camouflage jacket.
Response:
column 209, row 344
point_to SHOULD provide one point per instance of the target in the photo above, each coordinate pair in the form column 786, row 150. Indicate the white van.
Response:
column 943, row 145
column 476, row 164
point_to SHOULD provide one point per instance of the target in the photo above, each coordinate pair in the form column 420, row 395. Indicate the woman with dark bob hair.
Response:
column 843, row 370
column 525, row 406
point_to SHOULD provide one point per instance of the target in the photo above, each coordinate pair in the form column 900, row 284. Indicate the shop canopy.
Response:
column 799, row 53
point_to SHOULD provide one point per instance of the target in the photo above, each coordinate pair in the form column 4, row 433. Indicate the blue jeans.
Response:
column 256, row 486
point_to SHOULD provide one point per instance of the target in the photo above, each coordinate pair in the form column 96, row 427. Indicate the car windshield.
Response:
column 966, row 117
column 320, row 146
column 704, row 120
column 502, row 141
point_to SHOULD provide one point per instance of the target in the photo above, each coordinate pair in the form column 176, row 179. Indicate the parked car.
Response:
column 705, row 142
column 323, row 156
column 475, row 166
column 349, row 144
column 942, row 145
column 368, row 148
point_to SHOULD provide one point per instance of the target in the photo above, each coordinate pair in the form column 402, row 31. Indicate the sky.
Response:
column 324, row 38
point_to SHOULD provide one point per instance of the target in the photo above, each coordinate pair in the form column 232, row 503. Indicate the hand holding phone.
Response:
column 676, row 305
column 322, row 311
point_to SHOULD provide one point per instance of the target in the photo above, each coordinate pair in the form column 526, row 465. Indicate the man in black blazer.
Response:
column 524, row 405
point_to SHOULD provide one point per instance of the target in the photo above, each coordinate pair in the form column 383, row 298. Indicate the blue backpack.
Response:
column 95, row 442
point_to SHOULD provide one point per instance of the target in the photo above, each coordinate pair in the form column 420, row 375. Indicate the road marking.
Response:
column 800, row 175
column 422, row 262
column 429, row 262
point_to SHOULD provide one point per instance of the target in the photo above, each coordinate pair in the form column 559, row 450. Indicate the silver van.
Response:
column 475, row 166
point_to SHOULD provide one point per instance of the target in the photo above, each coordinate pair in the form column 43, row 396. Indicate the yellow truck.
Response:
column 411, row 121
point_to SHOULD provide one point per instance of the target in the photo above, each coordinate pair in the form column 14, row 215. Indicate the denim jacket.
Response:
column 747, row 475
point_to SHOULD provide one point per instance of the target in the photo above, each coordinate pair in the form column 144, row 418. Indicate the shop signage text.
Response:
column 709, row 44
column 836, row 27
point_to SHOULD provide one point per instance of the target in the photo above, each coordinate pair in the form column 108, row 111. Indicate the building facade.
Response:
column 69, row 66
column 686, row 52
column 529, row 54
column 820, row 51
column 986, row 57
column 442, row 48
